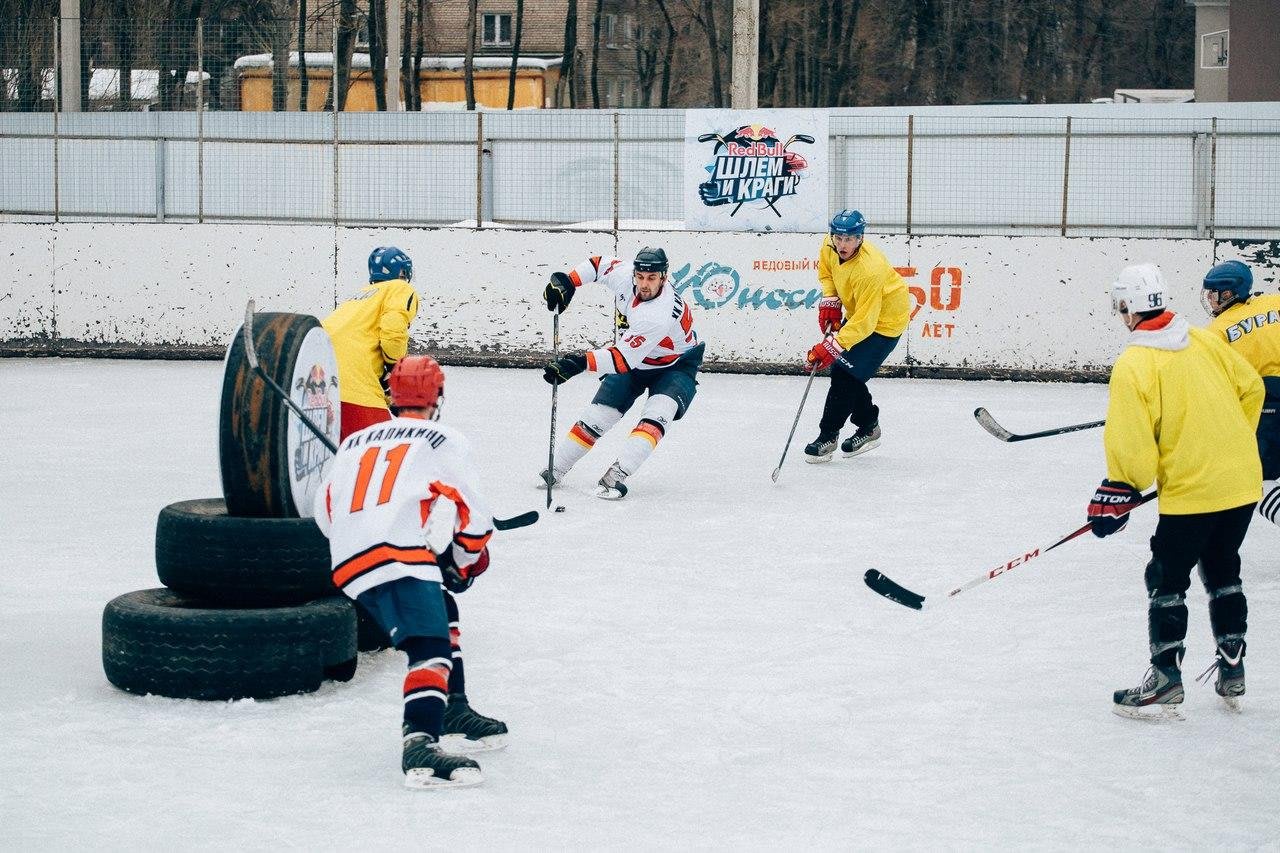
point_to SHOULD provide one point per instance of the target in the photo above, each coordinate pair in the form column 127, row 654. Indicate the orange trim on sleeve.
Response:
column 619, row 363
column 464, row 511
column 575, row 278
column 378, row 556
column 591, row 361
column 471, row 543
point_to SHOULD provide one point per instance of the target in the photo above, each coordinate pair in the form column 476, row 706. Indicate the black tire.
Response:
column 252, row 562
column 159, row 641
column 253, row 437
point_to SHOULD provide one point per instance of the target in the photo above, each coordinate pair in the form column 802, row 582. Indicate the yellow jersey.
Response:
column 1253, row 329
column 875, row 297
column 370, row 333
column 1183, row 410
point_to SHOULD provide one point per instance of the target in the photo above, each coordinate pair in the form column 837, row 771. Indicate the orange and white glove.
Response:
column 830, row 314
column 823, row 353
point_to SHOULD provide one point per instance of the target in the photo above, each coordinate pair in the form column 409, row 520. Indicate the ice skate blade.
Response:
column 463, row 745
column 1149, row 713
column 1232, row 704
column 818, row 460
column 423, row 779
column 870, row 445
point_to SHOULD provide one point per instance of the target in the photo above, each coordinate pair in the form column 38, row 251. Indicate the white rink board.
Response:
column 482, row 291
column 27, row 262
column 986, row 303
column 185, row 284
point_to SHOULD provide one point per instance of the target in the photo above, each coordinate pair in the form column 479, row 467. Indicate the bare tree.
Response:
column 667, row 54
column 595, row 55
column 515, row 55
column 567, row 69
column 469, row 62
column 419, row 47
column 303, row 82
column 378, row 52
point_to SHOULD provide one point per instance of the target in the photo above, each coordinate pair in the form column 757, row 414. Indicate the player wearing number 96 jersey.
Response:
column 385, row 486
column 658, row 351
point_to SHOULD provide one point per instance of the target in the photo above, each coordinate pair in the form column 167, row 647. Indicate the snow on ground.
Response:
column 698, row 666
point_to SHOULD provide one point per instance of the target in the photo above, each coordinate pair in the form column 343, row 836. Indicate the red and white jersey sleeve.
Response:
column 383, row 487
column 651, row 334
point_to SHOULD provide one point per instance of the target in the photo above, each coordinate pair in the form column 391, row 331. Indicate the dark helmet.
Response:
column 1232, row 280
column 417, row 382
column 650, row 260
column 848, row 223
column 388, row 262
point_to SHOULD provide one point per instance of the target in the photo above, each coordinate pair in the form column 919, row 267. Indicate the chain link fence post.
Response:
column 617, row 174
column 1213, row 177
column 57, row 108
column 334, row 95
column 479, row 170
column 911, row 141
column 1066, row 173
column 199, row 119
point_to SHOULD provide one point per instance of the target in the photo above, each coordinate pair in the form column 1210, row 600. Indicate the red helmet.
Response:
column 416, row 382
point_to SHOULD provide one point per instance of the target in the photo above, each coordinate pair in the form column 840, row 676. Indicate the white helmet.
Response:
column 1138, row 289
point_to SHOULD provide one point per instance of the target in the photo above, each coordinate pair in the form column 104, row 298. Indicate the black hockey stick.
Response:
column 777, row 472
column 989, row 424
column 882, row 585
column 555, row 389
column 524, row 519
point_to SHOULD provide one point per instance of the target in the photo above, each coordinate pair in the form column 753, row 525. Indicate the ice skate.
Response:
column 1157, row 698
column 861, row 441
column 427, row 767
column 1229, row 665
column 465, row 731
column 612, row 487
column 545, row 479
column 821, row 449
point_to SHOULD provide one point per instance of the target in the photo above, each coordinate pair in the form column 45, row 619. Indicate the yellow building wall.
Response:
column 532, row 88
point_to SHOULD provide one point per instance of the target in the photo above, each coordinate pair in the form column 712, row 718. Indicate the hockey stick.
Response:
column 989, row 424
column 524, row 519
column 812, row 373
column 555, row 394
column 882, row 585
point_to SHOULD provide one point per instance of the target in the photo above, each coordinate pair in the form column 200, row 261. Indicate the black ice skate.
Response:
column 1229, row 664
column 465, row 731
column 427, row 767
column 821, row 449
column 1157, row 698
column 612, row 487
column 862, row 440
column 547, row 480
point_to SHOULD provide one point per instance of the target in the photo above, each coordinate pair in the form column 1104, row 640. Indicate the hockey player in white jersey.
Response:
column 385, row 485
column 658, row 351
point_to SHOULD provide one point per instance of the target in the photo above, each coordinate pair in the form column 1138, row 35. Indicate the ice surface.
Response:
column 697, row 666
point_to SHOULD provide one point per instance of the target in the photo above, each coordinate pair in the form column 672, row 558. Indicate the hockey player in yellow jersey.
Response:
column 864, row 310
column 1251, row 326
column 370, row 333
column 1182, row 415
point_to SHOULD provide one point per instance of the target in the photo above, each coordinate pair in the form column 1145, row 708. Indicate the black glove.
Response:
column 559, row 292
column 1110, row 507
column 564, row 368
column 385, row 379
column 458, row 580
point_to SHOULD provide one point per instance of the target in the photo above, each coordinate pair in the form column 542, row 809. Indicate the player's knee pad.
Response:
column 1166, row 620
column 660, row 409
column 1269, row 506
column 1228, row 612
column 421, row 649
column 600, row 418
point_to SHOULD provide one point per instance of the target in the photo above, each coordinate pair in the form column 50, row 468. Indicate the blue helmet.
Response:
column 388, row 262
column 1232, row 280
column 848, row 223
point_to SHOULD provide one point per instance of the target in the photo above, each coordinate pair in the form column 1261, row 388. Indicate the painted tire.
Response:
column 251, row 562
column 271, row 463
column 161, row 642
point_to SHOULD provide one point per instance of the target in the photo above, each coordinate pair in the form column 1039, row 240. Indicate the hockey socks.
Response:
column 658, row 412
column 426, row 685
column 583, row 435
column 1269, row 506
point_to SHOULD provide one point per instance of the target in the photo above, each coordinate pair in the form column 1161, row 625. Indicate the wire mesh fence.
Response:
column 928, row 174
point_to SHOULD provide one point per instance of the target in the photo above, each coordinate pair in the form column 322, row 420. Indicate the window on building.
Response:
column 628, row 29
column 495, row 30
column 610, row 30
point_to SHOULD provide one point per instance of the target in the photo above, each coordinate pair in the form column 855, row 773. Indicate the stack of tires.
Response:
column 249, row 609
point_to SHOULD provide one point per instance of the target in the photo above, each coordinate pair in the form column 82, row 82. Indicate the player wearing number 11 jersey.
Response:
column 386, row 484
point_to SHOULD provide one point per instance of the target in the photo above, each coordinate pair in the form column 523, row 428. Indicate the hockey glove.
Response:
column 712, row 195
column 1109, row 510
column 385, row 380
column 823, row 353
column 459, row 579
column 830, row 314
column 559, row 292
column 564, row 368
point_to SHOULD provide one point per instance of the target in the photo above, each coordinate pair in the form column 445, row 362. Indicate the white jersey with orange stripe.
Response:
column 383, row 487
column 651, row 334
